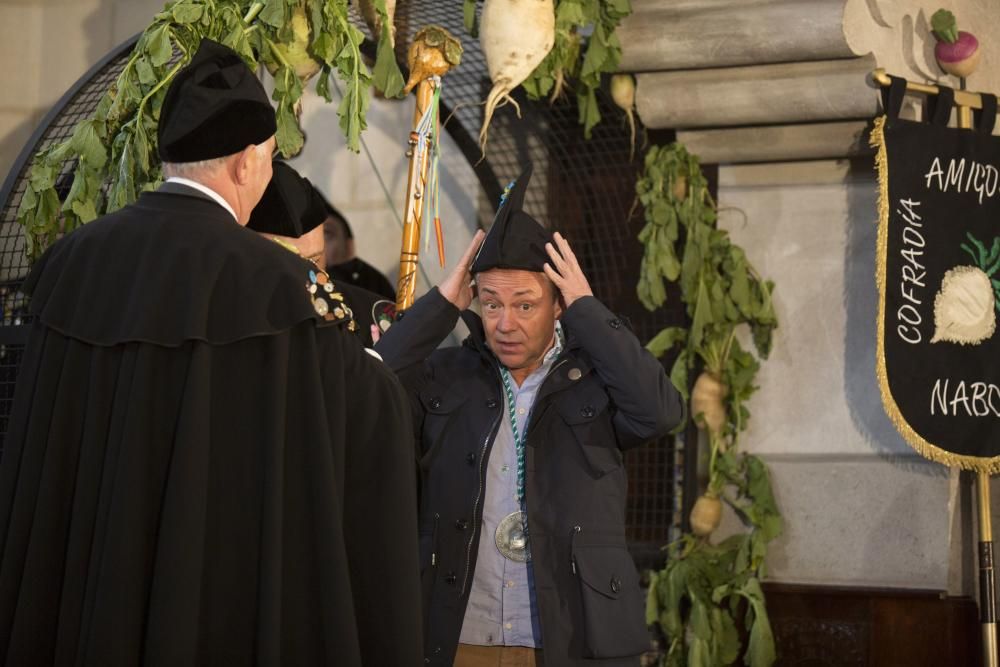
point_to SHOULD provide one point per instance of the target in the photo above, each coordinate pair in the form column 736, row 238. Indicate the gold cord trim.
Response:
column 915, row 440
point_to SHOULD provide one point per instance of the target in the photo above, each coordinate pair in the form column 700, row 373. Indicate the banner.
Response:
column 938, row 276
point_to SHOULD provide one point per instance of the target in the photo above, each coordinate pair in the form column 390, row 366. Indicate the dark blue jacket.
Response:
column 604, row 394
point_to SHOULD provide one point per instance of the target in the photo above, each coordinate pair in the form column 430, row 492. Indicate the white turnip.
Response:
column 707, row 407
column 374, row 21
column 623, row 93
column 706, row 514
column 515, row 35
column 964, row 309
column 296, row 52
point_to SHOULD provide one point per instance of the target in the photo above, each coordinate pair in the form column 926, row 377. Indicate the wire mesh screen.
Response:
column 582, row 188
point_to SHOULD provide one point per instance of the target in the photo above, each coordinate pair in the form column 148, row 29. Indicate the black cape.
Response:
column 199, row 468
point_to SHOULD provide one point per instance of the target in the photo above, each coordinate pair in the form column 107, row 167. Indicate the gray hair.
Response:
column 192, row 170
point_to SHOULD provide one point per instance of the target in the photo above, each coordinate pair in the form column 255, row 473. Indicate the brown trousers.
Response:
column 470, row 655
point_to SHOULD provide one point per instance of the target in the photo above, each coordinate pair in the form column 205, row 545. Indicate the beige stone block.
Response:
column 83, row 33
column 132, row 16
column 16, row 127
column 21, row 46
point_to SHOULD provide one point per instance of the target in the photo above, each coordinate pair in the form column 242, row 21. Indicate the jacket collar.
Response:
column 477, row 341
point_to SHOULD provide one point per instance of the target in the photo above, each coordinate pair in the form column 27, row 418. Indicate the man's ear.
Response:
column 243, row 166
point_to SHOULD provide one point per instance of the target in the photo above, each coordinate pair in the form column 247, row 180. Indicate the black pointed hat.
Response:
column 516, row 240
column 290, row 206
column 215, row 106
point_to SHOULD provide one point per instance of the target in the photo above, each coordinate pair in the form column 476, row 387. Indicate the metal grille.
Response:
column 582, row 188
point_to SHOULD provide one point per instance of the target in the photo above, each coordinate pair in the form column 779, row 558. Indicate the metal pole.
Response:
column 987, row 589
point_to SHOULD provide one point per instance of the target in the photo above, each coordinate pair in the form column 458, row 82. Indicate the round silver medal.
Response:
column 512, row 537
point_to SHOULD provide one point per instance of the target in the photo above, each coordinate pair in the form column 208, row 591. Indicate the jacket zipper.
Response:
column 434, row 540
column 475, row 507
column 572, row 547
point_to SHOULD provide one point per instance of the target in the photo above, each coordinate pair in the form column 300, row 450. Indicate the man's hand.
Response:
column 567, row 275
column 457, row 287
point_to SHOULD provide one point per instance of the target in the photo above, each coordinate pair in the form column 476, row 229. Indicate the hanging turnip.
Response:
column 623, row 93
column 296, row 52
column 706, row 514
column 957, row 51
column 515, row 35
column 374, row 21
column 706, row 402
column 964, row 309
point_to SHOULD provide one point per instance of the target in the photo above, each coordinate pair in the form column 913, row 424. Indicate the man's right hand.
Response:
column 457, row 287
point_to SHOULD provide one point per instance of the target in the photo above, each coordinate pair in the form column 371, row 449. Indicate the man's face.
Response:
column 519, row 310
column 339, row 248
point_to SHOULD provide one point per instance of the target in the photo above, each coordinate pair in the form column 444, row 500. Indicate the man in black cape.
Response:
column 292, row 212
column 189, row 475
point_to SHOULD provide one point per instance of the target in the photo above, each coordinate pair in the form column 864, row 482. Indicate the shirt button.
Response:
column 508, row 626
column 588, row 411
column 520, row 411
column 505, row 469
column 510, row 584
column 470, row 458
column 435, row 403
column 461, row 524
column 615, row 323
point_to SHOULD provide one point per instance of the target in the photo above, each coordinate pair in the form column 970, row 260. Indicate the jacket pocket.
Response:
column 440, row 407
column 586, row 412
column 613, row 607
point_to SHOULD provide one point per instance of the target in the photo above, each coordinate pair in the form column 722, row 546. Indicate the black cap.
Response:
column 290, row 206
column 516, row 240
column 214, row 107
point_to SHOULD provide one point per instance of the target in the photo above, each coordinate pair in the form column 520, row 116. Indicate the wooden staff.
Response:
column 416, row 186
column 433, row 52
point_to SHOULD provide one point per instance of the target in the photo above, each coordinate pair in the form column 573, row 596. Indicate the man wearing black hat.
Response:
column 185, row 478
column 292, row 212
column 521, row 431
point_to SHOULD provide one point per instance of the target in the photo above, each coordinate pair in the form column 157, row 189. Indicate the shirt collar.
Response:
column 206, row 190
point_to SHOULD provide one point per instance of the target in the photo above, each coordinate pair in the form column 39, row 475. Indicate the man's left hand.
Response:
column 565, row 272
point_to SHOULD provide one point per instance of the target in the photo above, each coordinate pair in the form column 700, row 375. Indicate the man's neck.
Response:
column 211, row 189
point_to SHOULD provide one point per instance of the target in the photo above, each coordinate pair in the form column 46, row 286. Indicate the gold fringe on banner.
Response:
column 915, row 440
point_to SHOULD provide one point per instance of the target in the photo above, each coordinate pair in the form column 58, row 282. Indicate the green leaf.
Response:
column 727, row 639
column 158, row 46
column 652, row 600
column 679, row 376
column 662, row 342
column 469, row 17
column 386, row 75
column 86, row 142
column 145, row 72
column 289, row 135
column 702, row 315
column 86, row 210
column 274, row 14
column 185, row 14
column 589, row 113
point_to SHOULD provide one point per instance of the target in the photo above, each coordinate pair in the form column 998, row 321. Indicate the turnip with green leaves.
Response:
column 957, row 51
column 965, row 307
column 516, row 35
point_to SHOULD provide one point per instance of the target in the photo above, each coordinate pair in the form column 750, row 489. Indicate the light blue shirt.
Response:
column 502, row 609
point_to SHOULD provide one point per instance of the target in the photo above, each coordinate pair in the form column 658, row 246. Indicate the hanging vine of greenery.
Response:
column 576, row 59
column 697, row 599
column 294, row 39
